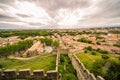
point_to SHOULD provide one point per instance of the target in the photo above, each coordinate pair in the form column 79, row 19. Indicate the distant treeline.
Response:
column 115, row 31
column 11, row 49
column 25, row 33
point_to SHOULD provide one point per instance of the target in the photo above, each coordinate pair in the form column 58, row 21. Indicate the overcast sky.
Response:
column 27, row 14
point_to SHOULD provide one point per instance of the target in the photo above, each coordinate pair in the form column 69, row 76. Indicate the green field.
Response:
column 44, row 61
column 87, row 59
column 107, row 68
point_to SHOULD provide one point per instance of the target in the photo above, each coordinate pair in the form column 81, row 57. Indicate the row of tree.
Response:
column 11, row 49
column 25, row 33
column 85, row 40
column 50, row 42
column 89, row 48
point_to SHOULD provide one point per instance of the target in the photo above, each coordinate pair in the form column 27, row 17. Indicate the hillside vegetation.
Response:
column 12, row 48
column 66, row 69
column 105, row 65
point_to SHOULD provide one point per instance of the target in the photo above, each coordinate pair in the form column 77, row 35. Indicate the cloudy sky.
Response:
column 34, row 14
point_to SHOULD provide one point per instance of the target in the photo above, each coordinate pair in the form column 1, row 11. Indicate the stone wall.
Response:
column 35, row 49
column 82, row 72
column 63, row 51
column 28, row 74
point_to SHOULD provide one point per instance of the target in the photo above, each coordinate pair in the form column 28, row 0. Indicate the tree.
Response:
column 93, row 53
column 11, row 49
column 47, row 41
column 89, row 48
column 98, row 43
column 97, row 67
column 85, row 40
column 105, row 56
column 55, row 44
column 85, row 51
column 113, row 72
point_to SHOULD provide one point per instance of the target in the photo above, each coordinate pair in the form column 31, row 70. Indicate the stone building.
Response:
column 36, row 49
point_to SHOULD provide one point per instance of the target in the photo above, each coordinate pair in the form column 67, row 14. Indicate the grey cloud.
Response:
column 7, row 1
column 112, row 8
column 5, row 16
column 108, row 11
column 56, row 4
column 52, row 6
column 23, row 15
column 10, row 26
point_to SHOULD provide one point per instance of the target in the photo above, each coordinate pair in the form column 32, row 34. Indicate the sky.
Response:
column 58, row 14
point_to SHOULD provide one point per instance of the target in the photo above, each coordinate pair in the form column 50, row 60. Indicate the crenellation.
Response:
column 1, row 73
column 28, row 74
column 92, row 77
column 52, row 74
column 24, row 73
column 86, row 74
column 33, row 75
column 82, row 72
column 38, row 73
column 10, row 73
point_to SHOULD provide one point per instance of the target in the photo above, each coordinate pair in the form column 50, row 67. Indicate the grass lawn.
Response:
column 44, row 61
column 108, row 68
column 88, row 59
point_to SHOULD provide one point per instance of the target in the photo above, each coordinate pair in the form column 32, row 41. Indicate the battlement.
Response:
column 40, row 74
column 82, row 72
column 28, row 74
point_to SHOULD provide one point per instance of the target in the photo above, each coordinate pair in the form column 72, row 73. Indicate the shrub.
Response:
column 85, row 51
column 93, row 53
column 117, row 45
column 119, row 57
column 113, row 72
column 97, row 65
column 0, row 66
column 102, row 51
column 105, row 52
column 55, row 44
column 22, row 37
column 89, row 48
column 105, row 56
column 98, row 43
column 72, row 33
column 47, row 41
column 99, row 37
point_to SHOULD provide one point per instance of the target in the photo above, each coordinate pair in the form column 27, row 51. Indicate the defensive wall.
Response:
column 82, row 72
column 28, row 74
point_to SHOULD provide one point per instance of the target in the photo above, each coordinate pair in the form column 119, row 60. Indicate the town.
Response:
column 56, row 54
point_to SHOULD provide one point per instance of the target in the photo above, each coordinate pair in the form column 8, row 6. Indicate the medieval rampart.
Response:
column 82, row 72
column 28, row 74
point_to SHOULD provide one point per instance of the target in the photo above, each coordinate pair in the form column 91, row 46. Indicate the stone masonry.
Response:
column 82, row 72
